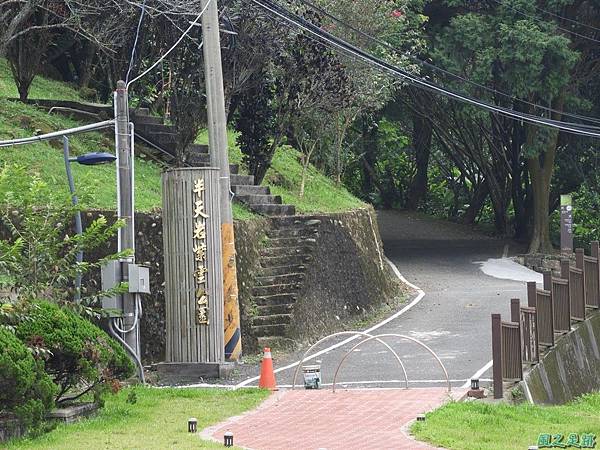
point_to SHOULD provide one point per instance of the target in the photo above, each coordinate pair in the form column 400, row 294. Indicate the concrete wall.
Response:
column 571, row 368
column 249, row 239
column 542, row 262
column 347, row 278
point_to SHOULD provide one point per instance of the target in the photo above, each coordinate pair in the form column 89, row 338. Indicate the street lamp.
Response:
column 89, row 159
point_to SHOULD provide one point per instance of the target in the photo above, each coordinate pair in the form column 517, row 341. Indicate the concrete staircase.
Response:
column 291, row 239
column 160, row 143
column 162, row 140
column 283, row 263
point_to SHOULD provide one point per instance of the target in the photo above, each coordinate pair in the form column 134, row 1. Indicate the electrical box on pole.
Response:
column 125, row 307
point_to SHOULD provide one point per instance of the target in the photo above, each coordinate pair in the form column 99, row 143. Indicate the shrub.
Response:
column 25, row 389
column 38, row 251
column 82, row 356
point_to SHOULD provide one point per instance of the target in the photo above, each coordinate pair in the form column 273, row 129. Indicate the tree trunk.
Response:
column 25, row 12
column 305, row 164
column 518, row 192
column 541, row 168
column 479, row 197
column 85, row 63
column 540, row 186
column 369, row 138
column 422, row 133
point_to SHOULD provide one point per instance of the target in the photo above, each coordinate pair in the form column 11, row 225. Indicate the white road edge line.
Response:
column 477, row 374
column 418, row 298
column 348, row 383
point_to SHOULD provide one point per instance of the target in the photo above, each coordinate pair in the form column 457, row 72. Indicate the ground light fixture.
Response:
column 475, row 391
column 89, row 159
column 228, row 439
column 192, row 425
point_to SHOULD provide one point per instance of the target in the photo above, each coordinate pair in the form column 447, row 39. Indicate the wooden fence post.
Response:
column 579, row 256
column 531, row 294
column 565, row 265
column 547, row 280
column 515, row 310
column 592, row 277
column 497, row 355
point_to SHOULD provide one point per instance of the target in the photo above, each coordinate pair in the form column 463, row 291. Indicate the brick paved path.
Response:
column 347, row 420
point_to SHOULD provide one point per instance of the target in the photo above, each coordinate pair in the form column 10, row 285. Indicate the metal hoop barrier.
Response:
column 392, row 335
column 354, row 333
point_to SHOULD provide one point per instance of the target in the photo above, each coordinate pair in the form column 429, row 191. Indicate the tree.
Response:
column 26, row 51
column 255, row 124
column 514, row 49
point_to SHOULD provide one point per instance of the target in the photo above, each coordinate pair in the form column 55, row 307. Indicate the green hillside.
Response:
column 96, row 184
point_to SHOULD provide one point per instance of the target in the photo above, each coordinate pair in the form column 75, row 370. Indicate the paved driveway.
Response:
column 464, row 280
column 345, row 420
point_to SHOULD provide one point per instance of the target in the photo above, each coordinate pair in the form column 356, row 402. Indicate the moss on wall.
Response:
column 571, row 368
column 348, row 277
column 249, row 238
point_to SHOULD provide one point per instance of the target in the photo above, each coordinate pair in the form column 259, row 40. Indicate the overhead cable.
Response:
column 442, row 70
column 173, row 47
column 135, row 41
column 531, row 16
column 360, row 54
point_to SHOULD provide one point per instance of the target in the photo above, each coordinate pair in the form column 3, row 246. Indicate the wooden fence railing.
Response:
column 591, row 270
column 549, row 313
column 576, row 279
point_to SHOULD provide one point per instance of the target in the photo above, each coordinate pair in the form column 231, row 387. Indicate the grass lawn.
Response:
column 41, row 88
column 483, row 426
column 96, row 185
column 321, row 193
column 158, row 420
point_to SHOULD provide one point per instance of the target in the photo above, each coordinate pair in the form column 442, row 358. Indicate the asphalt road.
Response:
column 464, row 279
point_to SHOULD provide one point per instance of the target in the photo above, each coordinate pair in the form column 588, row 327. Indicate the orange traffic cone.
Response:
column 267, row 377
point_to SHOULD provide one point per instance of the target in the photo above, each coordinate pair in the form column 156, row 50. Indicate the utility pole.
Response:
column 126, row 236
column 217, row 138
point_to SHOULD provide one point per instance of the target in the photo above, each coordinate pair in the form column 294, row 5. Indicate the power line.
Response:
column 441, row 70
column 181, row 38
column 358, row 53
column 137, row 36
column 523, row 13
column 558, row 16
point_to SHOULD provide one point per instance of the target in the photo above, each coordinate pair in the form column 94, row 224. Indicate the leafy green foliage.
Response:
column 40, row 252
column 25, row 389
column 390, row 166
column 81, row 354
column 256, row 125
column 585, row 213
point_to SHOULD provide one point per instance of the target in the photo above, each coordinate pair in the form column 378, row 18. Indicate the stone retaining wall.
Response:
column 346, row 279
column 542, row 262
column 571, row 368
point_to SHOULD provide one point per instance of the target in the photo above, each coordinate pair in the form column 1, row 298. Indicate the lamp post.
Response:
column 89, row 159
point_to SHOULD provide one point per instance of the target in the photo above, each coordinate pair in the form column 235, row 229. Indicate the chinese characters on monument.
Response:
column 199, row 249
